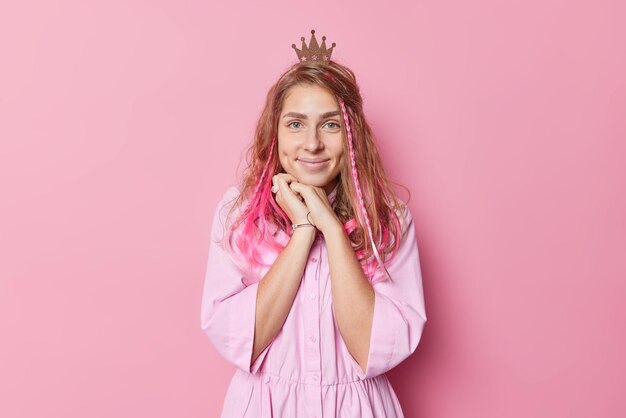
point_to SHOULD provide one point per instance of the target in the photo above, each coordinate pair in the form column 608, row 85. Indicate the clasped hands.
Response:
column 298, row 199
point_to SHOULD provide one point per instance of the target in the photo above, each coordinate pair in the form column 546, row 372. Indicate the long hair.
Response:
column 364, row 202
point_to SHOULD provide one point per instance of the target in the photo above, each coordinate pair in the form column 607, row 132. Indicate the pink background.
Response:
column 122, row 123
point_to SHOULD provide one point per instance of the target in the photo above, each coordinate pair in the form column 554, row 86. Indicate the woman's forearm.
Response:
column 353, row 295
column 278, row 288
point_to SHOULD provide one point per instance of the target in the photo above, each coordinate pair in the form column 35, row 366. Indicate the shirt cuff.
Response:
column 242, row 326
column 383, row 338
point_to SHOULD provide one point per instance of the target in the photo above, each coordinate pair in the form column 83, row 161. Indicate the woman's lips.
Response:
column 313, row 165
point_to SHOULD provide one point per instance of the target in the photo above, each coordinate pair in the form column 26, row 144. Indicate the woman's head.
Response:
column 316, row 86
column 314, row 112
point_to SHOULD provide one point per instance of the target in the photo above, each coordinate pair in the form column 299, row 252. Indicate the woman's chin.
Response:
column 317, row 182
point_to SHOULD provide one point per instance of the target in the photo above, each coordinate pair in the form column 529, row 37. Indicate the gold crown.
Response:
column 314, row 52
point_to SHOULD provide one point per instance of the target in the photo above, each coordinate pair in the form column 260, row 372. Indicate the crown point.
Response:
column 334, row 44
column 293, row 46
column 323, row 38
column 302, row 39
column 312, row 31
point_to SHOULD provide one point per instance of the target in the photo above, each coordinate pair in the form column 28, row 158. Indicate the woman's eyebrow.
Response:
column 329, row 114
column 303, row 116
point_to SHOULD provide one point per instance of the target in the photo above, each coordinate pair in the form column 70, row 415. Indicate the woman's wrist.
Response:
column 307, row 224
column 333, row 228
column 305, row 233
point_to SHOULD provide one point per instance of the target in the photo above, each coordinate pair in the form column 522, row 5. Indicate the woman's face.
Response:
column 310, row 136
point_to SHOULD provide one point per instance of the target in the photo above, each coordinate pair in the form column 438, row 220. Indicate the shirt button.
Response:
column 312, row 296
column 315, row 377
column 313, row 260
column 313, row 338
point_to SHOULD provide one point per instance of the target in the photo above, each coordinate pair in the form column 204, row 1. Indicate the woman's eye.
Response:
column 332, row 125
column 295, row 125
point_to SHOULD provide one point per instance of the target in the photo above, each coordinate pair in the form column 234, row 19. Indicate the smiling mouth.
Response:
column 313, row 164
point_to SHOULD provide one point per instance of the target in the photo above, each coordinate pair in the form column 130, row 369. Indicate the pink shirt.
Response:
column 307, row 370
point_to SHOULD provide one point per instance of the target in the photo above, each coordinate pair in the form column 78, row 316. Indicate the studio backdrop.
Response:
column 122, row 123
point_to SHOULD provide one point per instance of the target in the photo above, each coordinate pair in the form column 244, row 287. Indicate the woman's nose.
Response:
column 313, row 141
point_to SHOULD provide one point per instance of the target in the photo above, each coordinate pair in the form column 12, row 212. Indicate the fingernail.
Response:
column 274, row 189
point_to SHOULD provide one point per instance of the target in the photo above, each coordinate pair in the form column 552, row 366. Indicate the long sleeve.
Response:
column 399, row 311
column 229, row 305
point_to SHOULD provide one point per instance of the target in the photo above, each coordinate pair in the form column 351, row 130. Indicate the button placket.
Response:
column 312, row 346
column 316, row 336
column 313, row 338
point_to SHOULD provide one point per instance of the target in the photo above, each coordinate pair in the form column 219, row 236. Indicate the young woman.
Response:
column 313, row 288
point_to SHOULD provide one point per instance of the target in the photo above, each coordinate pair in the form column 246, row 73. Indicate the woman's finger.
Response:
column 287, row 177
column 301, row 189
column 283, row 183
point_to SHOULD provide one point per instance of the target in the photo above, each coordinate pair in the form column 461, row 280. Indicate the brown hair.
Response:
column 379, row 198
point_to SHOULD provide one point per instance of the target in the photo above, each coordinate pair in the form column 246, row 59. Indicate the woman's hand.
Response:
column 315, row 199
column 287, row 199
